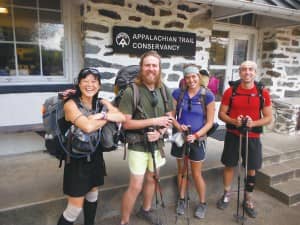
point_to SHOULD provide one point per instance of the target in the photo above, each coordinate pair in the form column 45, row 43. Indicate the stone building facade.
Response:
column 99, row 17
column 279, row 49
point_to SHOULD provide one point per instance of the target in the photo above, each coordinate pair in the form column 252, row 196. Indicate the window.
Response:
column 219, row 46
column 31, row 40
column 247, row 19
column 240, row 50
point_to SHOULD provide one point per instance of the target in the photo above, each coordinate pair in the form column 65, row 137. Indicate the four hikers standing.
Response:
column 245, row 106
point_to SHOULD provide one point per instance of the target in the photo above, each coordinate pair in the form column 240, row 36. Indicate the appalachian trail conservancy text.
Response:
column 167, row 43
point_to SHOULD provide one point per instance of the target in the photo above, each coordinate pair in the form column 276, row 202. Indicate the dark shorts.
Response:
column 230, row 154
column 196, row 152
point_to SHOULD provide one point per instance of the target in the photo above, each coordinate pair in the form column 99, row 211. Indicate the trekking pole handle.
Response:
column 189, row 131
column 244, row 122
column 243, row 128
column 150, row 129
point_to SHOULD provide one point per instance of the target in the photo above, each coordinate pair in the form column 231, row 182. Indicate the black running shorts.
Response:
column 196, row 152
column 230, row 153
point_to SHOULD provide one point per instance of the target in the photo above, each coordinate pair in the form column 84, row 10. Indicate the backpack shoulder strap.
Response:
column 260, row 86
column 164, row 95
column 234, row 85
column 137, row 100
column 136, row 96
column 99, row 105
column 202, row 99
column 179, row 101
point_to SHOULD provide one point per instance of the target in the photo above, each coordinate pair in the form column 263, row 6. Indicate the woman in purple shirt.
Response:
column 195, row 108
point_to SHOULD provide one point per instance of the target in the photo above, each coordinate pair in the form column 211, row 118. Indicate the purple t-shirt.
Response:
column 190, row 109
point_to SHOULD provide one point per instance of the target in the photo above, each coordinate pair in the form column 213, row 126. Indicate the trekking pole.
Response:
column 187, row 153
column 184, row 175
column 156, row 178
column 238, row 217
column 246, row 168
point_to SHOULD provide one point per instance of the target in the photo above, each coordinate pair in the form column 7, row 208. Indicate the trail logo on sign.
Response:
column 138, row 40
column 122, row 39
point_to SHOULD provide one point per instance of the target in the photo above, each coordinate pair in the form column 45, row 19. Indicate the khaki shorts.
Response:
column 140, row 161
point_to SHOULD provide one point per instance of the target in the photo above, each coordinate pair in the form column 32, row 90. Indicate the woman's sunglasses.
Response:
column 89, row 70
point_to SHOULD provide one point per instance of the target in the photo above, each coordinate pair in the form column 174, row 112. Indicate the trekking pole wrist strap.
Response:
column 104, row 115
column 197, row 135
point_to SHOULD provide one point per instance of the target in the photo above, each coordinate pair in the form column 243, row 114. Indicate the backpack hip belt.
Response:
column 253, row 129
column 134, row 138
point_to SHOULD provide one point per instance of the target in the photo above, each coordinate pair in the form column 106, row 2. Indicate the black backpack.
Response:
column 112, row 133
column 259, row 86
column 57, row 130
column 125, row 77
column 55, row 125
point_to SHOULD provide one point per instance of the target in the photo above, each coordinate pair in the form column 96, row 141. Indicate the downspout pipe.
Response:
column 258, row 8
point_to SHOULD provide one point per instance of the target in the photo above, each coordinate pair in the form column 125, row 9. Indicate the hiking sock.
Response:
column 227, row 188
column 89, row 211
column 63, row 221
column 249, row 196
column 69, row 215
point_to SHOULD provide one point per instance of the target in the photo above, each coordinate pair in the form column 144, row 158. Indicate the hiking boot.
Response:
column 149, row 216
column 180, row 207
column 200, row 210
column 224, row 201
column 249, row 209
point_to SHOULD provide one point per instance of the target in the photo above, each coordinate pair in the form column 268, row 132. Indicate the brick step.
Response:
column 287, row 192
column 281, row 180
column 280, row 172
column 272, row 155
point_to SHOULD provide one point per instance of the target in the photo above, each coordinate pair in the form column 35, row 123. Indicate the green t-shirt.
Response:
column 126, row 107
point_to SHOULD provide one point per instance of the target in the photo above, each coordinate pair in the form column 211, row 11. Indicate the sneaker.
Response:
column 149, row 216
column 224, row 201
column 200, row 210
column 249, row 209
column 180, row 207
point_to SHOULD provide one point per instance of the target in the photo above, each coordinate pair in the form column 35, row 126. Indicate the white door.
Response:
column 229, row 49
column 240, row 47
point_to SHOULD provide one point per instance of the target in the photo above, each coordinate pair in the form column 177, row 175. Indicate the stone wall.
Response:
column 287, row 115
column 281, row 61
column 280, row 72
column 99, row 16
